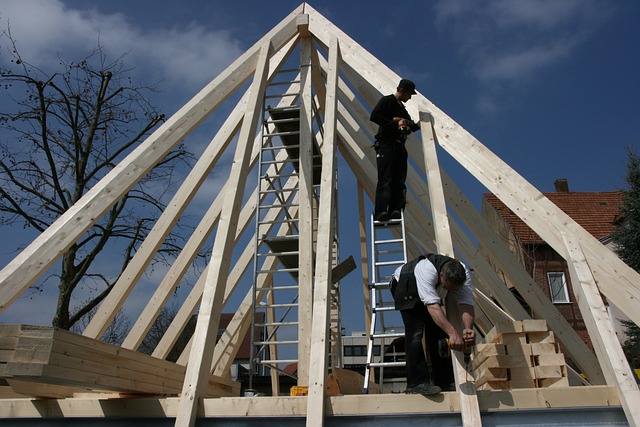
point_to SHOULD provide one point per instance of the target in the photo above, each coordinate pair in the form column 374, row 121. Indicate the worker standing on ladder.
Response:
column 417, row 287
column 395, row 125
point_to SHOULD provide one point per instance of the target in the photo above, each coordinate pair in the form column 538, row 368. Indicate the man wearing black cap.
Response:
column 394, row 125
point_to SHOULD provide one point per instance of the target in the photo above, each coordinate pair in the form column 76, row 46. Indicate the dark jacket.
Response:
column 383, row 113
column 405, row 291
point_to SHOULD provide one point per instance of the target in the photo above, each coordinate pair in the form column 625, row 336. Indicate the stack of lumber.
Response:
column 520, row 354
column 49, row 362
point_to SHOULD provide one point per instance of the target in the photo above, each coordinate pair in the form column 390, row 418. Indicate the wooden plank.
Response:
column 436, row 191
column 70, row 361
column 364, row 260
column 36, row 389
column 464, row 380
column 371, row 405
column 212, row 297
column 601, row 330
column 305, row 214
column 326, row 226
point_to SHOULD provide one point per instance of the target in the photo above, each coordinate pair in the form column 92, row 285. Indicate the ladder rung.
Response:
column 290, row 342
column 384, row 308
column 378, row 242
column 283, row 305
column 282, row 95
column 292, row 132
column 277, row 361
column 287, row 205
column 278, row 191
column 383, row 364
column 390, row 251
column 285, row 82
column 279, row 288
column 379, row 286
column 278, row 324
column 279, row 162
column 388, row 335
column 389, row 222
column 278, row 221
column 279, row 253
column 383, row 263
column 284, row 175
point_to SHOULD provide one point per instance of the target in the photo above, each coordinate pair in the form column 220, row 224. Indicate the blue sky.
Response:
column 551, row 86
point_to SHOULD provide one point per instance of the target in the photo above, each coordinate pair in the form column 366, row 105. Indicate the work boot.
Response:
column 396, row 215
column 424, row 389
column 381, row 216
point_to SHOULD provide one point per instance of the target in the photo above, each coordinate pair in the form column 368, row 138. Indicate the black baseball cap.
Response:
column 408, row 86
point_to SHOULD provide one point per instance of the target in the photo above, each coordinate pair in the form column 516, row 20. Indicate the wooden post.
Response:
column 305, row 215
column 469, row 408
column 364, row 266
column 326, row 225
column 601, row 330
column 211, row 305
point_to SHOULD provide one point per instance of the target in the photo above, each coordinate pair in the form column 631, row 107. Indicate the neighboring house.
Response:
column 242, row 360
column 597, row 212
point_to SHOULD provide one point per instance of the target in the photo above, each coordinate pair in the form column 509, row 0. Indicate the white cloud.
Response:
column 510, row 40
column 185, row 58
column 521, row 64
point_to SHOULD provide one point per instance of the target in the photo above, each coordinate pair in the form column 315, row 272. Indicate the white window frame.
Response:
column 561, row 294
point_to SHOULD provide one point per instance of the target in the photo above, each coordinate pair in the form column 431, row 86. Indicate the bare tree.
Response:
column 115, row 333
column 62, row 132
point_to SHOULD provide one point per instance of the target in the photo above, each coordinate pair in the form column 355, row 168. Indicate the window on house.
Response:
column 558, row 287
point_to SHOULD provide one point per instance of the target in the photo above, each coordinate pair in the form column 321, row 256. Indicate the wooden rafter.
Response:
column 344, row 100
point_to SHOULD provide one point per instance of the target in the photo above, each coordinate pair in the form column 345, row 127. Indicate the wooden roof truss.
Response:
column 345, row 80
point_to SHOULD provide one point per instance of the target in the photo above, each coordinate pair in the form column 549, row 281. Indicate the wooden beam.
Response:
column 305, row 214
column 602, row 332
column 364, row 259
column 326, row 226
column 64, row 360
column 103, row 408
column 211, row 305
column 465, row 383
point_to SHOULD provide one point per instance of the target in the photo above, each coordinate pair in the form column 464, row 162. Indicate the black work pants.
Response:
column 417, row 321
column 391, row 158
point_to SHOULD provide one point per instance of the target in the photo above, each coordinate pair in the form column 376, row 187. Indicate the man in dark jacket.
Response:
column 418, row 288
column 391, row 155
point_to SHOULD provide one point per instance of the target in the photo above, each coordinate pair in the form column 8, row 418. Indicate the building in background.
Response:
column 597, row 212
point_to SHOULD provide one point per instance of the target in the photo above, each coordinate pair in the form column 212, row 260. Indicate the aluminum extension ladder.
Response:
column 388, row 252
column 274, row 328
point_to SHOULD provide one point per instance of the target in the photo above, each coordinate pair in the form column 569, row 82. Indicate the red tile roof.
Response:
column 597, row 213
